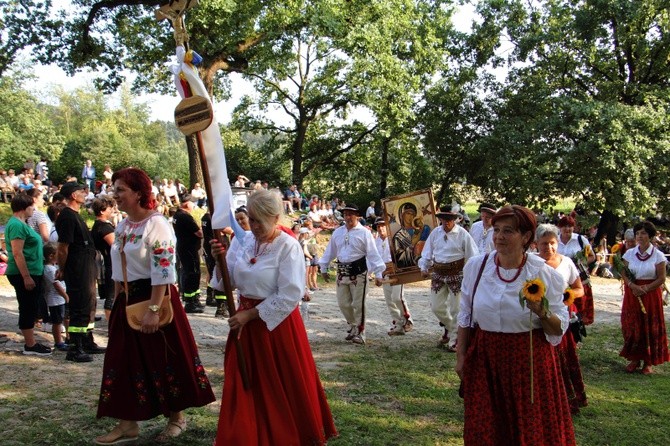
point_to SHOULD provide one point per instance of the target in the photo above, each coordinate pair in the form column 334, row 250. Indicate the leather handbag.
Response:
column 135, row 312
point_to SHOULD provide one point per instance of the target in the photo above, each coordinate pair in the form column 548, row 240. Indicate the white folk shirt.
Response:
column 496, row 307
column 149, row 248
column 384, row 249
column 459, row 245
column 644, row 270
column 277, row 277
column 572, row 247
column 348, row 245
column 483, row 237
column 568, row 271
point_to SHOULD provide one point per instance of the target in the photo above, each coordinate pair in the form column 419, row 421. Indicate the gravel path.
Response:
column 325, row 321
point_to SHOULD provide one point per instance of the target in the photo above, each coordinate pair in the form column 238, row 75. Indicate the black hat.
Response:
column 71, row 186
column 352, row 208
column 487, row 207
column 380, row 221
column 448, row 212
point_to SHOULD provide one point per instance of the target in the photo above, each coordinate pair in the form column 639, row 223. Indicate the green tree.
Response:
column 25, row 130
column 25, row 25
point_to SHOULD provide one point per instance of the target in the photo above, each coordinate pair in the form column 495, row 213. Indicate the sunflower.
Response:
column 616, row 248
column 568, row 297
column 533, row 290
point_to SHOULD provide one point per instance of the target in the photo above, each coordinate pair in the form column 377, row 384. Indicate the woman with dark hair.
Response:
column 285, row 403
column 25, row 267
column 571, row 245
column 102, row 233
column 642, row 318
column 513, row 393
column 546, row 238
column 153, row 371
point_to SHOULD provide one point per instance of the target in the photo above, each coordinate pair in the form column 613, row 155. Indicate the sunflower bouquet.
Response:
column 568, row 297
column 533, row 290
column 620, row 267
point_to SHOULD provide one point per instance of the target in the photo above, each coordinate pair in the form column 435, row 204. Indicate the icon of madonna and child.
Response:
column 411, row 217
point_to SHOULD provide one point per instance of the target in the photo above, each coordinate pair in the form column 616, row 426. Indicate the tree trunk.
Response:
column 384, row 170
column 194, row 167
column 607, row 227
column 298, row 144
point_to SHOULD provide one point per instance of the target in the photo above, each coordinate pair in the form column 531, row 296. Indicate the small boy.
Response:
column 55, row 295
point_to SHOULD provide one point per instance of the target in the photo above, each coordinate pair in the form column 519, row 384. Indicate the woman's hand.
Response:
column 29, row 283
column 150, row 322
column 241, row 318
column 535, row 307
column 460, row 362
column 217, row 248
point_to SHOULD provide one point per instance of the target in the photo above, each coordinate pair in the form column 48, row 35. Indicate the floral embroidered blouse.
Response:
column 150, row 250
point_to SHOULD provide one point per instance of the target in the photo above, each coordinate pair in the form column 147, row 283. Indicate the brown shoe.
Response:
column 409, row 326
column 358, row 339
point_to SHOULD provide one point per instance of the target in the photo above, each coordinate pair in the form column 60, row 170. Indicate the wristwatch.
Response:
column 154, row 308
column 547, row 315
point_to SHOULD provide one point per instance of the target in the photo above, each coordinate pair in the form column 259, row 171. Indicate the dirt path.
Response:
column 325, row 320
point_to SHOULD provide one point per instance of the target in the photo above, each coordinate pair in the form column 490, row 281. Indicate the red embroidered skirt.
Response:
column 285, row 404
column 644, row 335
column 584, row 305
column 498, row 410
column 571, row 372
column 146, row 375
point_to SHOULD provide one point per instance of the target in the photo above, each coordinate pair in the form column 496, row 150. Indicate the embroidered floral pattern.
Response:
column 107, row 384
column 203, row 381
column 163, row 255
column 174, row 389
column 141, row 391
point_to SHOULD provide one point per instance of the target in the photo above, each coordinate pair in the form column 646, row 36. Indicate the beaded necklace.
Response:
column 257, row 248
column 645, row 257
column 518, row 271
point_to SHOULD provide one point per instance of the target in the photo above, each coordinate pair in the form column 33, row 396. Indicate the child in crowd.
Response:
column 55, row 295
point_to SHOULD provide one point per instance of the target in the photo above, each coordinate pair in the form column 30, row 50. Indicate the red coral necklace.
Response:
column 645, row 257
column 518, row 271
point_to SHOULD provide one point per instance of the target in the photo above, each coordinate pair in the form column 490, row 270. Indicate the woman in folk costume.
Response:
column 642, row 319
column 546, row 237
column 153, row 371
column 285, row 403
column 572, row 245
column 512, row 388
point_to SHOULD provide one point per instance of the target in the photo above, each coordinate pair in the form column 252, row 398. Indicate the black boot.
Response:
column 90, row 346
column 191, row 306
column 198, row 304
column 222, row 309
column 210, row 301
column 76, row 351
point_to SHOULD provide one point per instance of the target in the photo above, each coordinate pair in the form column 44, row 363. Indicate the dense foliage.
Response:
column 536, row 101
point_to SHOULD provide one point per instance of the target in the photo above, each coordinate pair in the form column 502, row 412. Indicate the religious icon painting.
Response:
column 409, row 219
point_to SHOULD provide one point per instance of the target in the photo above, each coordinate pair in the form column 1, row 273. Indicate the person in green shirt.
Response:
column 25, row 269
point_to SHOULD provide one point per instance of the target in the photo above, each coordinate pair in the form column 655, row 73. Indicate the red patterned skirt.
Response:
column 584, row 305
column 146, row 375
column 644, row 335
column 498, row 410
column 286, row 403
column 571, row 372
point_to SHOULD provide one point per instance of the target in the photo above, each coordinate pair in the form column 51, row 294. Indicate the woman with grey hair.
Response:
column 286, row 403
column 546, row 237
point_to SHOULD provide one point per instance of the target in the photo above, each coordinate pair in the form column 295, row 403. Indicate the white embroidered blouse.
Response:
column 644, row 270
column 496, row 307
column 277, row 276
column 149, row 248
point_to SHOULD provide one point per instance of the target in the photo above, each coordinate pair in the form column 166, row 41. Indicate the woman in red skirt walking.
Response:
column 642, row 319
column 507, row 400
column 547, row 243
column 285, row 403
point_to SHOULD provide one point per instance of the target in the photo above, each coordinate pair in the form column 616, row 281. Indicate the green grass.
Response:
column 380, row 395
